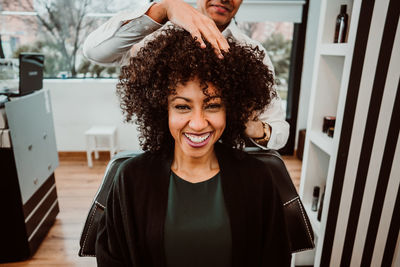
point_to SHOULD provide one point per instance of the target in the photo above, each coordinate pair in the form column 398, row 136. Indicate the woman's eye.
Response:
column 182, row 107
column 213, row 106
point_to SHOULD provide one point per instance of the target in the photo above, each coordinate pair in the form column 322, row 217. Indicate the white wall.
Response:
column 79, row 104
column 308, row 64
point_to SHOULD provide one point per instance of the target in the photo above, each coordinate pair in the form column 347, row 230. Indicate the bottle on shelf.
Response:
column 330, row 132
column 321, row 205
column 341, row 25
column 329, row 121
column 315, row 198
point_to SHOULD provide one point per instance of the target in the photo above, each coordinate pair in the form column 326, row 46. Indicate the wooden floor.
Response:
column 76, row 186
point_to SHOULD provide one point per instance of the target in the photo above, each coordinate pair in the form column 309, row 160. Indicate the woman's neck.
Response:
column 195, row 169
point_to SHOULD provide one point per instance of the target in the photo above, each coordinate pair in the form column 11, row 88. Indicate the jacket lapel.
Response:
column 159, row 174
column 232, row 184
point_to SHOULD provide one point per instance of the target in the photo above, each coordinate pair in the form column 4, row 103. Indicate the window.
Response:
column 276, row 37
column 56, row 28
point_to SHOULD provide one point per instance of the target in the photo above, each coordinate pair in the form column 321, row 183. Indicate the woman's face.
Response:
column 196, row 121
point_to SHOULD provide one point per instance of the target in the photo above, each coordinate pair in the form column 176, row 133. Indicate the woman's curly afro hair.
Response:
column 244, row 83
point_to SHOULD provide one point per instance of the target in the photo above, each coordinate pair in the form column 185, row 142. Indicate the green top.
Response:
column 197, row 228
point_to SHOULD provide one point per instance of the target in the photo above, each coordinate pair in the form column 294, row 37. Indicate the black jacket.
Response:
column 131, row 231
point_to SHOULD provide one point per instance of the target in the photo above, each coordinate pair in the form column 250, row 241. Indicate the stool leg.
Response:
column 89, row 152
column 96, row 152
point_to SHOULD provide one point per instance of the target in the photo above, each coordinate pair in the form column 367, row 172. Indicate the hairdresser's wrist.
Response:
column 158, row 12
column 254, row 129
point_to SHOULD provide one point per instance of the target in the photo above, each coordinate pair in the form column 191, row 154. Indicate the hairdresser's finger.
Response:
column 213, row 41
column 197, row 37
column 220, row 38
column 212, row 37
column 223, row 44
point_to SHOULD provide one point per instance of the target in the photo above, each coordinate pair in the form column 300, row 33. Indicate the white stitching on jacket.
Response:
column 290, row 201
column 101, row 205
column 88, row 231
column 305, row 222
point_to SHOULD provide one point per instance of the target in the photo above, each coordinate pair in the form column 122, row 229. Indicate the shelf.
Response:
column 322, row 140
column 312, row 215
column 334, row 49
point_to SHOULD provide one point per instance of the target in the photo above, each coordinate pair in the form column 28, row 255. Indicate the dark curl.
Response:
column 244, row 83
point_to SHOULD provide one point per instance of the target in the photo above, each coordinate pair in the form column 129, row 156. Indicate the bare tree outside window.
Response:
column 59, row 28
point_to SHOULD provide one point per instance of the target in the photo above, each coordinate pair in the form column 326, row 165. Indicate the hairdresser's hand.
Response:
column 254, row 129
column 190, row 19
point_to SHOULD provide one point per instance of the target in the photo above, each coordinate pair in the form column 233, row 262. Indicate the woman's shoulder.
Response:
column 240, row 157
column 140, row 166
column 242, row 162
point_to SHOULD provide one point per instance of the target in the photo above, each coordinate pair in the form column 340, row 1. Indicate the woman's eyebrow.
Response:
column 181, row 97
column 212, row 98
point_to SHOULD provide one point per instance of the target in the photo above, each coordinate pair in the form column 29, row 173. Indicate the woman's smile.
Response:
column 198, row 140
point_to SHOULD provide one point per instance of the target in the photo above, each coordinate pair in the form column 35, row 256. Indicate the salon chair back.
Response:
column 300, row 232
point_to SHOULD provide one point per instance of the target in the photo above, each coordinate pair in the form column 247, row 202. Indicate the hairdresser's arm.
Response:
column 274, row 116
column 109, row 43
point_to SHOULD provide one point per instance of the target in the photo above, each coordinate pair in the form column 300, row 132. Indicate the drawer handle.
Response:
column 44, row 136
column 49, row 167
column 30, row 147
column 35, row 181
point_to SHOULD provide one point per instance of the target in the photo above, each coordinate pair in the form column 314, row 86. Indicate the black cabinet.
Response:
column 27, row 189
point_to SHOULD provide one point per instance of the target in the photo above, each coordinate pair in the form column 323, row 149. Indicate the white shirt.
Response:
column 110, row 44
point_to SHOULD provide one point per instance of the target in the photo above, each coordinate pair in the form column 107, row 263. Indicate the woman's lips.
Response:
column 195, row 140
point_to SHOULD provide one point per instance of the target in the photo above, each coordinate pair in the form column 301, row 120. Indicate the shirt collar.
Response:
column 232, row 31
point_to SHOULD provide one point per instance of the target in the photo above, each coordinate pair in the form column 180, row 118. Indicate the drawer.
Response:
column 33, row 140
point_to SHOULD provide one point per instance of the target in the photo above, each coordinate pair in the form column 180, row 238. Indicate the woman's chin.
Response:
column 196, row 150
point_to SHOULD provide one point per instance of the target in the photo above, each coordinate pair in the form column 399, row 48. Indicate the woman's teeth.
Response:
column 197, row 138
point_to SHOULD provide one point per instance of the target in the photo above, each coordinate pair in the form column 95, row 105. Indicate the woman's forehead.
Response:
column 196, row 87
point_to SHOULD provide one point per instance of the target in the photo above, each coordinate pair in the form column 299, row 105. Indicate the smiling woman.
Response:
column 193, row 199
column 244, row 84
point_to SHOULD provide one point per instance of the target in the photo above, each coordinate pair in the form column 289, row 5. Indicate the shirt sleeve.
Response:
column 110, row 43
column 274, row 115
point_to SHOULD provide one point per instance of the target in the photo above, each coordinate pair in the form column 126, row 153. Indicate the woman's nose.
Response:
column 198, row 122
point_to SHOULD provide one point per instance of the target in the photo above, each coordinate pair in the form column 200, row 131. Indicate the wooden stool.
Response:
column 92, row 136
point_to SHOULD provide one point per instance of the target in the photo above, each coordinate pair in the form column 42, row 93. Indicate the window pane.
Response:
column 276, row 37
column 57, row 28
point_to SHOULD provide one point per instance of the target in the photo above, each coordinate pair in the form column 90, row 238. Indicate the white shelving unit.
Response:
column 334, row 49
column 332, row 64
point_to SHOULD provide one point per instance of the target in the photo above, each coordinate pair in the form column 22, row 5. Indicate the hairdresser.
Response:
column 213, row 21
